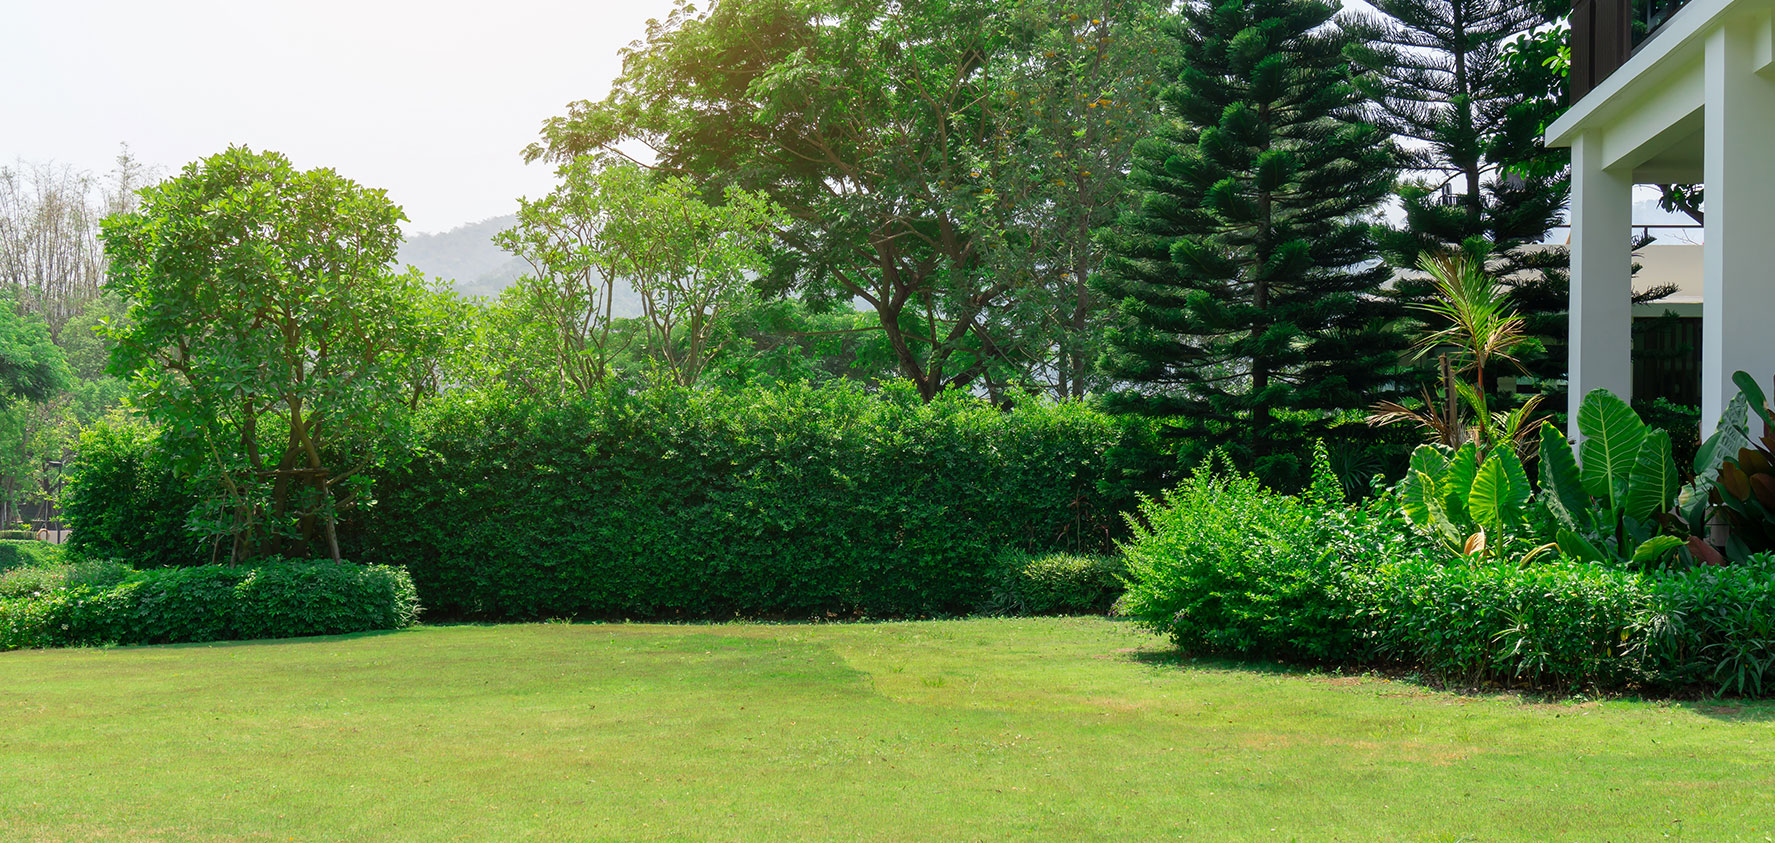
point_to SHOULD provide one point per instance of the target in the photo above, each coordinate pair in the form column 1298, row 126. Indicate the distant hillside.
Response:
column 467, row 257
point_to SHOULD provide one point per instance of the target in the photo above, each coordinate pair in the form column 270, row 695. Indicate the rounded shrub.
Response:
column 1223, row 565
column 1057, row 583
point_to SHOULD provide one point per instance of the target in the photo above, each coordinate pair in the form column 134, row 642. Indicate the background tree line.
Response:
column 1179, row 210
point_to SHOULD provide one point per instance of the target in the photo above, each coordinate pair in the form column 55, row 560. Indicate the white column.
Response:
column 1602, row 277
column 1738, row 275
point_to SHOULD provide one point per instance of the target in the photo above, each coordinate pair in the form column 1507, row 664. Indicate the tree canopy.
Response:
column 268, row 336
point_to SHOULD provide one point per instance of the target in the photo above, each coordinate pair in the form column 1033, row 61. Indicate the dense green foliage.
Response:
column 128, row 500
column 1246, row 278
column 1057, row 583
column 16, row 552
column 32, row 366
column 1224, row 566
column 78, row 606
column 943, row 163
column 791, row 501
column 268, row 335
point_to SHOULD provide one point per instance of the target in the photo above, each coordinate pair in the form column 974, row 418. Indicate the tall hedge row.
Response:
column 791, row 501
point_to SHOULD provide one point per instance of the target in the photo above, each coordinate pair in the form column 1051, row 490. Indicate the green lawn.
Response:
column 982, row 729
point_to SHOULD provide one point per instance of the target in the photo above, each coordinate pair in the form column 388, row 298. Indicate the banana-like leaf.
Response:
column 1652, row 485
column 1457, row 483
column 1579, row 548
column 1413, row 492
column 1562, row 489
column 1612, row 436
column 1431, row 461
column 1731, row 436
column 1474, row 545
column 1440, row 522
column 1500, row 490
column 1656, row 548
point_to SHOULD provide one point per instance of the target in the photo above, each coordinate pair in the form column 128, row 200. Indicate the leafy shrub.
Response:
column 14, row 535
column 793, row 501
column 29, row 580
column 125, row 500
column 1558, row 625
column 1714, row 625
column 16, row 553
column 34, row 621
column 207, row 603
column 1057, row 583
column 95, row 573
column 1223, row 565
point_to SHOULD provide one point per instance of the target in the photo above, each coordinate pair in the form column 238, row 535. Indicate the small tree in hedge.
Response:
column 267, row 336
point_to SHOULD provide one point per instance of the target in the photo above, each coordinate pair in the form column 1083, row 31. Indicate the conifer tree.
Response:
column 1246, row 278
column 1467, row 86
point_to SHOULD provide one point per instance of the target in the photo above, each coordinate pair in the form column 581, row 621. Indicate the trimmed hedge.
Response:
column 209, row 603
column 796, row 501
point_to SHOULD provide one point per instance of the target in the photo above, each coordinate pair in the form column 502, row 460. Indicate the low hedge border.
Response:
column 213, row 603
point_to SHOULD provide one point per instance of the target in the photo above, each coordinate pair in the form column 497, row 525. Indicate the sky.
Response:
column 433, row 102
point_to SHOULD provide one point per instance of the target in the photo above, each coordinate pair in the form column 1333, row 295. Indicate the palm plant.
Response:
column 1482, row 331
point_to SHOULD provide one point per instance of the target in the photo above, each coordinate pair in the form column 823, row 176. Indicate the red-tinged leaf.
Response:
column 1705, row 552
column 1763, row 486
column 1735, row 481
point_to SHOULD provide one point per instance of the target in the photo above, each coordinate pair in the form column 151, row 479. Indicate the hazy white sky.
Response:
column 432, row 102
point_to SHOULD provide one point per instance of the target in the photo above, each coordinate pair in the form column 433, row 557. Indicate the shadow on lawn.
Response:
column 1700, row 701
column 269, row 642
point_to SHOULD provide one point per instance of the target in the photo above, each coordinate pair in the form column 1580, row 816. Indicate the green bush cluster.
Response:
column 1057, row 583
column 103, row 603
column 1224, row 566
column 795, row 501
column 125, row 499
column 17, row 553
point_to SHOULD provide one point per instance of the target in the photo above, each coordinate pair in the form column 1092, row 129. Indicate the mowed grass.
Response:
column 1049, row 729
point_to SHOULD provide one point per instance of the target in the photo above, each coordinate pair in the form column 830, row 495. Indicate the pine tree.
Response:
column 1246, row 278
column 1466, row 85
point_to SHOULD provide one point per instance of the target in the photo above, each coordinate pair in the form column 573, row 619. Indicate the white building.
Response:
column 1692, row 101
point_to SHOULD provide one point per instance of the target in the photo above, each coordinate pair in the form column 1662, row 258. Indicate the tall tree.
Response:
column 611, row 223
column 1439, row 76
column 1468, row 87
column 1075, row 94
column 889, row 134
column 268, row 336
column 1247, row 277
column 51, row 261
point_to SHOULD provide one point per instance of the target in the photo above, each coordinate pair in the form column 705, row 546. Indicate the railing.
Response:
column 1605, row 33
column 1651, row 14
